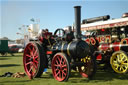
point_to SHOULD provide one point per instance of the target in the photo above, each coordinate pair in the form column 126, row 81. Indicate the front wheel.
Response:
column 119, row 62
column 61, row 67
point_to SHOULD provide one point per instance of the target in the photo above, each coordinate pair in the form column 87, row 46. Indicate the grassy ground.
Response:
column 14, row 64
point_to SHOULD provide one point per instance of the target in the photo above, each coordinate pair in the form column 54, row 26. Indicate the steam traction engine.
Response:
column 110, row 40
column 65, row 51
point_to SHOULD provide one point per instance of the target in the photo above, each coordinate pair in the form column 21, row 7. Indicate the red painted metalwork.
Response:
column 102, row 30
column 104, row 47
column 87, row 40
column 83, row 72
column 99, row 57
column 116, row 46
column 30, row 60
column 41, row 39
column 93, row 41
column 49, row 52
column 124, row 41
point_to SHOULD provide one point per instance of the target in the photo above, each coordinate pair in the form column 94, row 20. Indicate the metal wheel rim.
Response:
column 59, row 68
column 119, row 62
column 31, row 60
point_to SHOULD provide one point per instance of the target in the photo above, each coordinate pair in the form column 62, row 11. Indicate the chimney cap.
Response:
column 77, row 6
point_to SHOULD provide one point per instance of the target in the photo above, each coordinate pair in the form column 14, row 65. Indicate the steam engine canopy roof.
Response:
column 105, row 24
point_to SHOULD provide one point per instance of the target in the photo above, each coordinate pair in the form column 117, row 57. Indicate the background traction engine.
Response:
column 66, row 51
column 110, row 41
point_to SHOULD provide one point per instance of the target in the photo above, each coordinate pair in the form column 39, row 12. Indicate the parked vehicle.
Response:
column 21, row 50
column 63, row 50
column 4, row 47
column 110, row 39
column 14, row 48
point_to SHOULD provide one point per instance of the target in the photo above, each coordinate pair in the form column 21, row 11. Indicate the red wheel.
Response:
column 34, row 60
column 61, row 67
column 89, row 69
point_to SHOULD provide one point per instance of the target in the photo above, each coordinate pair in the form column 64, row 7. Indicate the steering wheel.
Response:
column 59, row 33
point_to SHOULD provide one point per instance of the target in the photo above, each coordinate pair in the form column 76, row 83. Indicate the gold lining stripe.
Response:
column 68, row 49
column 62, row 47
column 53, row 45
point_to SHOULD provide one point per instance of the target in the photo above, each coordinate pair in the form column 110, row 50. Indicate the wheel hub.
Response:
column 31, row 59
column 118, row 62
column 61, row 67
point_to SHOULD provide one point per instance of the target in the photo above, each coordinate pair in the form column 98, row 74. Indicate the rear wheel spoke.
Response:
column 28, row 55
column 29, row 49
column 65, row 69
column 35, row 53
column 30, row 68
column 34, row 69
column 57, row 62
column 64, row 66
column 34, row 65
column 35, row 57
column 56, row 65
column 28, row 63
column 59, row 59
column 36, row 62
column 56, row 69
column 33, row 49
column 64, row 62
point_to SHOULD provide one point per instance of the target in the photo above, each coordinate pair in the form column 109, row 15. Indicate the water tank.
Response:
column 33, row 30
column 34, row 27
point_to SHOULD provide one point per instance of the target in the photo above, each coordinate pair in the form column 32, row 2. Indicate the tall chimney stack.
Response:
column 77, row 22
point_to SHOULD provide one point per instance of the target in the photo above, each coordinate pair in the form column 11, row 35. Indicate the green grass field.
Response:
column 14, row 64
